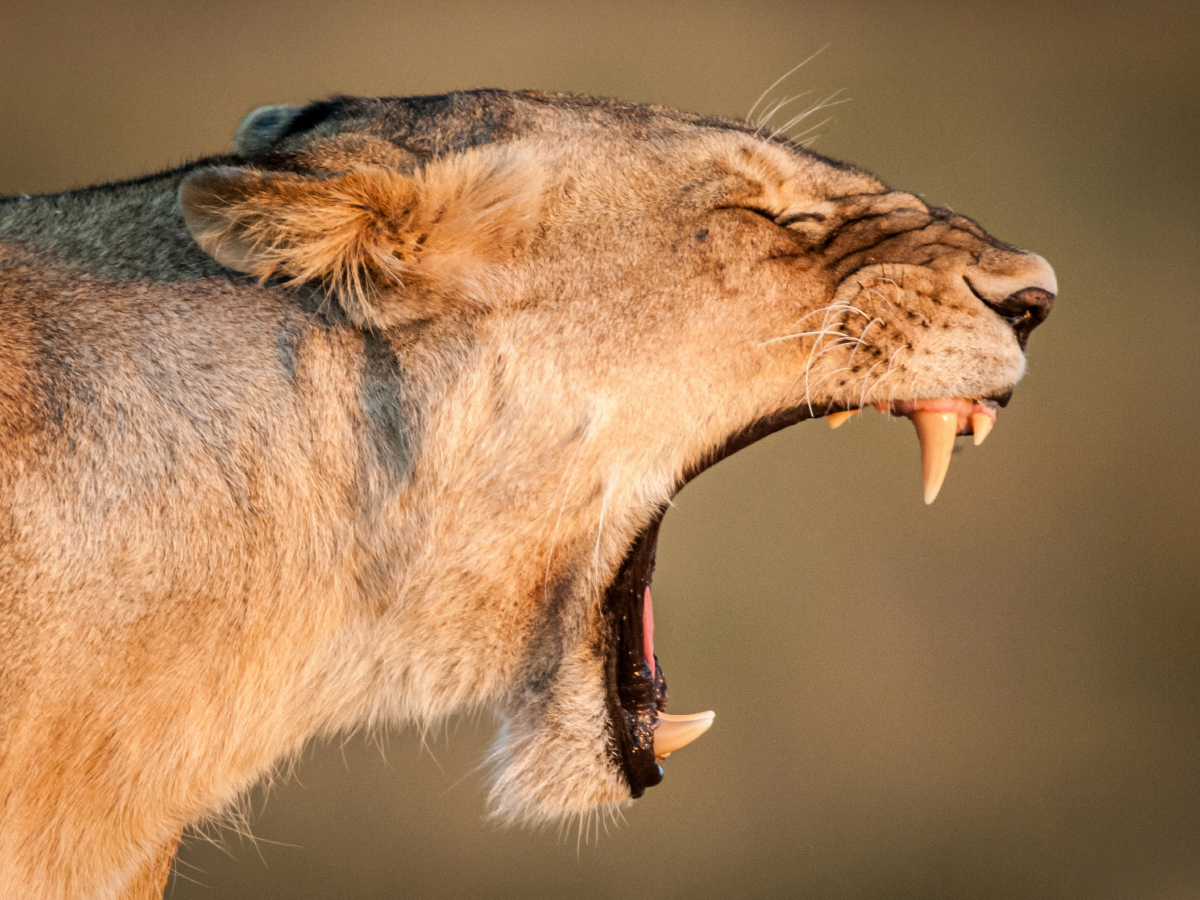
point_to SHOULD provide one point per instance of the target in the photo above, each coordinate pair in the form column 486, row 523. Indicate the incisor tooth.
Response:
column 981, row 424
column 838, row 419
column 672, row 732
column 935, row 431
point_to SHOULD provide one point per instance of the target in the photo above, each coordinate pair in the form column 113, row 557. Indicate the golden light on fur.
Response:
column 392, row 246
column 420, row 464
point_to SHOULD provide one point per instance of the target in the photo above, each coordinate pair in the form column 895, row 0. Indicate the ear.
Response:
column 391, row 247
column 263, row 127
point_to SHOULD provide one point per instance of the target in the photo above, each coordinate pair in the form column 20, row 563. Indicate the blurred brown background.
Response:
column 994, row 697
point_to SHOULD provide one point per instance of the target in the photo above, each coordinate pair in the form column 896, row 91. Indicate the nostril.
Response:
column 1024, row 310
column 1035, row 299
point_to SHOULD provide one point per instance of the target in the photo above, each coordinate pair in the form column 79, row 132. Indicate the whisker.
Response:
column 829, row 375
column 780, row 80
column 862, row 399
column 840, row 305
column 862, row 337
column 881, row 296
column 813, row 128
column 765, row 119
column 846, row 342
column 827, row 103
column 833, row 346
column 816, row 107
column 600, row 524
column 812, row 350
column 891, row 362
column 800, row 334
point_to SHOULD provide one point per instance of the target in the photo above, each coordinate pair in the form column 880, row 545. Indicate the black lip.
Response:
column 636, row 694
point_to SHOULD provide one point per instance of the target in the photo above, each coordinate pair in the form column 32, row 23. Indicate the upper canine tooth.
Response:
column 935, row 431
column 981, row 424
column 838, row 419
column 672, row 732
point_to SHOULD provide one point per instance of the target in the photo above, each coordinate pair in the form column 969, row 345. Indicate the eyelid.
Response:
column 757, row 210
column 765, row 213
column 783, row 220
column 786, row 220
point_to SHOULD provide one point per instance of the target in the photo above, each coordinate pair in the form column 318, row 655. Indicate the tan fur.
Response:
column 386, row 467
column 373, row 230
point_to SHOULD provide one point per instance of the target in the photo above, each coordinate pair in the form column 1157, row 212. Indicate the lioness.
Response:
column 377, row 418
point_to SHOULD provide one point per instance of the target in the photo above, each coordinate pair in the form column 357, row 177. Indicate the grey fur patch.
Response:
column 67, row 371
column 549, row 639
column 316, row 302
column 128, row 231
column 285, row 349
column 290, row 333
column 382, row 397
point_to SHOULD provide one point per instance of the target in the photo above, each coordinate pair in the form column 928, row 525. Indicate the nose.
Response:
column 1019, row 287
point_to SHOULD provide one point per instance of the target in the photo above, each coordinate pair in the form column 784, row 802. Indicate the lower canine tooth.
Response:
column 672, row 732
column 838, row 419
column 935, row 431
column 981, row 424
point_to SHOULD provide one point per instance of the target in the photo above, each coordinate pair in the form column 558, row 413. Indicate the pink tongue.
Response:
column 648, row 631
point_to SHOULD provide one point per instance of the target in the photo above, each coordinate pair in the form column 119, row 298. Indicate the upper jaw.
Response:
column 938, row 421
column 968, row 413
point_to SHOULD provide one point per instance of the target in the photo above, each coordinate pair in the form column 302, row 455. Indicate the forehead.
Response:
column 432, row 126
column 447, row 123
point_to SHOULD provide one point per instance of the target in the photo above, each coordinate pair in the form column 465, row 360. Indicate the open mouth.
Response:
column 643, row 732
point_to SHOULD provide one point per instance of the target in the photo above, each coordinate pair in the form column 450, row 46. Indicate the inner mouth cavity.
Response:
column 644, row 734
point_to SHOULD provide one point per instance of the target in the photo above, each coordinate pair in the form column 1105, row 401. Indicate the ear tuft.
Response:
column 391, row 247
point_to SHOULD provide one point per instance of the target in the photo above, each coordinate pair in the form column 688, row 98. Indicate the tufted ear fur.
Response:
column 391, row 246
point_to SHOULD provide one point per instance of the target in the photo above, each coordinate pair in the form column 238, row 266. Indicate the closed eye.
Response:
column 782, row 220
column 785, row 221
column 766, row 214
